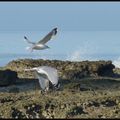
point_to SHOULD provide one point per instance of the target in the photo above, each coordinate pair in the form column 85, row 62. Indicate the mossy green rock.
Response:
column 66, row 69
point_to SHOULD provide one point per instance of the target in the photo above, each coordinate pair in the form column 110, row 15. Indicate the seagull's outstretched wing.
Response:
column 28, row 40
column 44, row 82
column 44, row 74
column 43, row 79
column 48, row 36
column 51, row 74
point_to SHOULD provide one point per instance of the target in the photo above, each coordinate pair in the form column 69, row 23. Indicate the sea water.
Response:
column 66, row 45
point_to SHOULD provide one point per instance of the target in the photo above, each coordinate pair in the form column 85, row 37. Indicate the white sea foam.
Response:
column 74, row 56
column 117, row 62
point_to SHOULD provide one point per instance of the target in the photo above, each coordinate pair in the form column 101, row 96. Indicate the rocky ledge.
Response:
column 66, row 69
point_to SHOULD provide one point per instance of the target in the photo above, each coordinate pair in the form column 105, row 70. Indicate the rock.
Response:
column 63, row 106
column 76, row 111
column 66, row 69
column 44, row 113
column 6, row 100
column 93, row 103
column 7, row 77
column 78, row 104
column 15, row 113
column 100, row 116
column 33, row 111
column 108, row 103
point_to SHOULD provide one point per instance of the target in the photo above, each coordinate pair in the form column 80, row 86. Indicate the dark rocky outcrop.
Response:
column 66, row 69
column 7, row 77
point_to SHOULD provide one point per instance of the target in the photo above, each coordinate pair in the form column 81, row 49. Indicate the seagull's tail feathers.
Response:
column 29, row 48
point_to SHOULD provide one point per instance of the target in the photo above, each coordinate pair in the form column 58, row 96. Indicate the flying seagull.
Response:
column 46, row 75
column 40, row 45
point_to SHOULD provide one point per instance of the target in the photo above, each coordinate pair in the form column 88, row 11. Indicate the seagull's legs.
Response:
column 43, row 92
column 47, row 85
column 57, row 87
column 46, row 90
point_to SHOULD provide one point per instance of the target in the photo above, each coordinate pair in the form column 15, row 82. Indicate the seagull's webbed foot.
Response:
column 45, row 91
column 57, row 87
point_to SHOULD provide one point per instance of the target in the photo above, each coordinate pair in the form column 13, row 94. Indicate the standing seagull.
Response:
column 45, row 75
column 41, row 44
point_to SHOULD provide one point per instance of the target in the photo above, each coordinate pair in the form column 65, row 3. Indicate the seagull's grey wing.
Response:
column 44, row 82
column 28, row 40
column 51, row 74
column 48, row 36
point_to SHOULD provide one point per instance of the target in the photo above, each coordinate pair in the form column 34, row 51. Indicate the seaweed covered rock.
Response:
column 101, row 68
column 66, row 69
column 7, row 77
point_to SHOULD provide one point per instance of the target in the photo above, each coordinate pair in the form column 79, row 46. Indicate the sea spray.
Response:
column 86, row 51
column 117, row 62
column 75, row 56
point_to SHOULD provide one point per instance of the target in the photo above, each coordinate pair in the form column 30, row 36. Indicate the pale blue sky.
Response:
column 66, row 15
column 84, row 28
